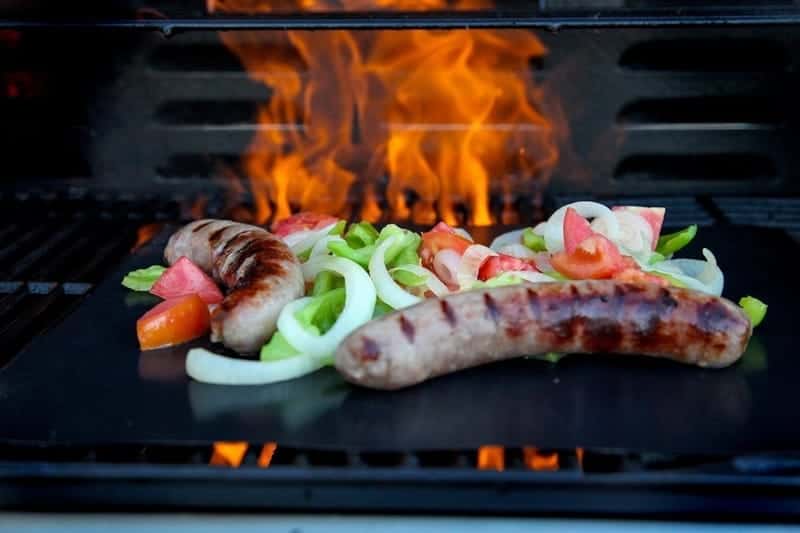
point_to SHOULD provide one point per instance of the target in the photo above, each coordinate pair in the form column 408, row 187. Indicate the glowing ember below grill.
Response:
column 426, row 124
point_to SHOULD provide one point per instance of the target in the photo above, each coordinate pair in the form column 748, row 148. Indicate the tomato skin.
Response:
column 301, row 221
column 497, row 264
column 441, row 237
column 576, row 230
column 184, row 278
column 173, row 321
column 594, row 258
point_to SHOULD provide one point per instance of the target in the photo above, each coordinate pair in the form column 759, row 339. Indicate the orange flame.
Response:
column 145, row 234
column 267, row 452
column 491, row 458
column 535, row 460
column 230, row 454
column 446, row 119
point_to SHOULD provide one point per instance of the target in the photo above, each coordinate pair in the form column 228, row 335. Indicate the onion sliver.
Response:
column 520, row 251
column 461, row 232
column 320, row 248
column 533, row 277
column 445, row 264
column 511, row 237
column 433, row 283
column 554, row 231
column 208, row 367
column 635, row 234
column 703, row 276
column 387, row 288
column 302, row 241
column 472, row 259
column 359, row 304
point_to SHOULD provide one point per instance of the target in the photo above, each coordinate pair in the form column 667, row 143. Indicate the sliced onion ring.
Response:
column 445, row 264
column 320, row 248
column 520, row 251
column 209, row 367
column 302, row 241
column 506, row 239
column 358, row 307
column 386, row 287
column 703, row 276
column 432, row 283
column 471, row 261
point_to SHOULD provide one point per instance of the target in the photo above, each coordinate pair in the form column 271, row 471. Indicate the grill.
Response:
column 691, row 109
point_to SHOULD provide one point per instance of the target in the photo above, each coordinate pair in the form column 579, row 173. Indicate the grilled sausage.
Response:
column 438, row 336
column 261, row 273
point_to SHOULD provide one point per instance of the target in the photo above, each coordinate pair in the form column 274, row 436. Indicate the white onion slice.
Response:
column 386, row 287
column 635, row 234
column 539, row 228
column 432, row 283
column 320, row 248
column 520, row 251
column 461, row 232
column 208, row 367
column 472, row 259
column 445, row 264
column 302, row 241
column 358, row 307
column 533, row 277
column 506, row 239
column 542, row 261
column 554, row 232
column 703, row 276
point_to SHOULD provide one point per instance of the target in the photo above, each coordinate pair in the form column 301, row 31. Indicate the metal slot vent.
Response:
column 736, row 167
column 767, row 212
column 230, row 113
column 728, row 112
column 706, row 55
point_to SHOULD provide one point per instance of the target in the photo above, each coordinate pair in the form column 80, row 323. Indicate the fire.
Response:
column 423, row 122
column 536, row 460
column 267, row 452
column 230, row 454
column 491, row 458
column 145, row 234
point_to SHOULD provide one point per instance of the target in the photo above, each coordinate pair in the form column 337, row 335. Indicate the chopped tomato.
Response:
column 301, row 221
column 440, row 237
column 594, row 258
column 183, row 278
column 654, row 216
column 497, row 264
column 576, row 230
column 172, row 322
column 636, row 275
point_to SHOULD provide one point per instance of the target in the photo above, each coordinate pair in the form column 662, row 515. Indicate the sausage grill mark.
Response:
column 491, row 307
column 201, row 226
column 448, row 313
column 370, row 351
column 214, row 238
column 534, row 304
column 407, row 328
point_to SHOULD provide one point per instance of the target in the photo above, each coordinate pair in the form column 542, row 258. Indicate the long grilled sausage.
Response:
column 444, row 335
column 261, row 273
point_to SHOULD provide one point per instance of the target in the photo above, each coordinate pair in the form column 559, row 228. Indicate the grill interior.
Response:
column 150, row 129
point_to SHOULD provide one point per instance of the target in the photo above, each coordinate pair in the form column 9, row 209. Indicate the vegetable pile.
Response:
column 355, row 273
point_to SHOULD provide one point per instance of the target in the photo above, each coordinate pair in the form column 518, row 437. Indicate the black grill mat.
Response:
column 86, row 382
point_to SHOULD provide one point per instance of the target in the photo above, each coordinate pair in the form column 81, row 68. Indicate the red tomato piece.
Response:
column 594, row 258
column 654, row 216
column 576, row 230
column 497, row 264
column 301, row 221
column 636, row 275
column 441, row 237
column 173, row 322
column 183, row 278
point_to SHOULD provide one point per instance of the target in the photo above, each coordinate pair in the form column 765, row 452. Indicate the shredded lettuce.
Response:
column 672, row 242
column 533, row 241
column 143, row 279
column 754, row 308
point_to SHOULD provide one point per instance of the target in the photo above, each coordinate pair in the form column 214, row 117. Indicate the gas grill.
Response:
column 123, row 120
